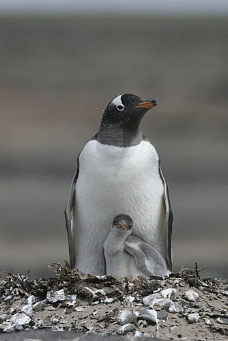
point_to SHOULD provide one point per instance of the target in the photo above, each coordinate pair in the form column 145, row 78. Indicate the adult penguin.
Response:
column 118, row 170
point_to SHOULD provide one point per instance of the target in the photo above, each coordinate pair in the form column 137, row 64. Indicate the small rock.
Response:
column 100, row 291
column 147, row 300
column 207, row 321
column 18, row 327
column 55, row 296
column 191, row 295
column 173, row 330
column 31, row 299
column 71, row 300
column 7, row 327
column 222, row 320
column 193, row 318
column 8, row 298
column 80, row 308
column 157, row 307
column 168, row 293
column 50, row 308
column 86, row 327
column 54, row 319
column 27, row 309
column 129, row 327
column 128, row 300
column 20, row 318
column 165, row 303
column 162, row 315
column 109, row 300
column 4, row 317
column 142, row 324
column 95, row 302
column 139, row 334
column 158, row 302
column 126, row 316
column 38, row 306
column 175, row 308
column 148, row 315
column 176, row 282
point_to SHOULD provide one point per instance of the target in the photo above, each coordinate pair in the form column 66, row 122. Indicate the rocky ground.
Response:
column 181, row 307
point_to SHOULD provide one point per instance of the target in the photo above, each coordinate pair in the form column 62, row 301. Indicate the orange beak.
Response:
column 146, row 104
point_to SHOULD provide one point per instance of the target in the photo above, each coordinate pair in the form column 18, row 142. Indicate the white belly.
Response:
column 117, row 260
column 111, row 181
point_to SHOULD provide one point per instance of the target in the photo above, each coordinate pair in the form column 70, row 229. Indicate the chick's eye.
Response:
column 120, row 107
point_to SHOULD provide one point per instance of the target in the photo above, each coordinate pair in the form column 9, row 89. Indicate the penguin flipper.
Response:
column 69, row 213
column 169, row 221
column 148, row 260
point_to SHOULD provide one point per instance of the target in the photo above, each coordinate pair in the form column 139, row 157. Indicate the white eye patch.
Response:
column 118, row 103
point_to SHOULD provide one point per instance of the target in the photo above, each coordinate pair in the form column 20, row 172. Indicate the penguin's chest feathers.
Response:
column 114, row 180
column 115, row 165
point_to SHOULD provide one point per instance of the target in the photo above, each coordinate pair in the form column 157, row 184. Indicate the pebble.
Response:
column 193, row 318
column 222, row 320
column 158, row 303
column 142, row 324
column 160, row 300
column 177, row 307
column 31, row 299
column 71, row 299
column 38, row 306
column 129, row 327
column 148, row 315
column 27, row 309
column 80, row 308
column 7, row 327
column 100, row 291
column 162, row 315
column 18, row 327
column 139, row 334
column 20, row 318
column 191, row 295
column 168, row 293
column 128, row 300
column 207, row 321
column 148, row 300
column 86, row 326
column 54, row 319
column 55, row 296
column 109, row 300
column 126, row 316
column 173, row 330
column 4, row 317
column 8, row 298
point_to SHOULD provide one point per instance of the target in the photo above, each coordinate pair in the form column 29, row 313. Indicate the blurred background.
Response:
column 61, row 62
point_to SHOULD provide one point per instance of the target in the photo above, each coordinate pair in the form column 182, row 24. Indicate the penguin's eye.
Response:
column 120, row 107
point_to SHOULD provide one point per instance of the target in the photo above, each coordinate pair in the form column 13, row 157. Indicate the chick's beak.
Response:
column 122, row 226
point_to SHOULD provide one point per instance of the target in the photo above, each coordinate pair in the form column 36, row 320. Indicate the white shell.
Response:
column 20, row 318
column 191, row 295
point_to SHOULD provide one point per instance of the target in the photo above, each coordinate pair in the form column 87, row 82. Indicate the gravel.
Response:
column 102, row 306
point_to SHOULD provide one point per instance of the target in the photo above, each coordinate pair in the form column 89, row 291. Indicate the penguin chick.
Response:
column 128, row 255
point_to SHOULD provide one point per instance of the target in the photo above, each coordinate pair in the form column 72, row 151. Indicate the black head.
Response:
column 123, row 221
column 121, row 120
